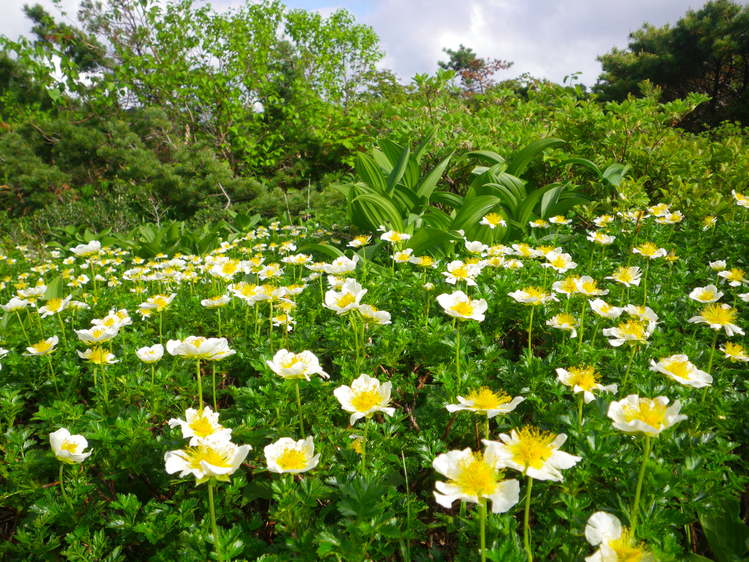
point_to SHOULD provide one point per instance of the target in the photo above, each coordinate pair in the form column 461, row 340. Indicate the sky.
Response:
column 545, row 38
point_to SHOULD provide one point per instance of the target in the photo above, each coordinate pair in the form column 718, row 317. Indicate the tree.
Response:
column 707, row 51
column 476, row 74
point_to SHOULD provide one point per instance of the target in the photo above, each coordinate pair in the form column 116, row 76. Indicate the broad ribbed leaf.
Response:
column 487, row 156
column 432, row 241
column 381, row 160
column 615, row 173
column 395, row 176
column 473, row 210
column 549, row 200
column 526, row 207
column 435, row 218
column 370, row 173
column 324, row 249
column 429, row 183
column 518, row 161
column 447, row 198
column 392, row 150
column 378, row 211
column 421, row 149
column 585, row 163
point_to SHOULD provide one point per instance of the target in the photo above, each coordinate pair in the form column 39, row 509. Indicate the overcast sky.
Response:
column 546, row 38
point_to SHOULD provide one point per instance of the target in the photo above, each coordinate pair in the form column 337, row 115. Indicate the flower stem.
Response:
column 62, row 329
column 457, row 354
column 710, row 364
column 213, row 385
column 482, row 527
column 582, row 325
column 62, row 487
column 214, row 527
column 23, row 328
column 580, row 398
column 530, row 334
column 153, row 374
column 629, row 365
column 526, row 518
column 299, row 408
column 200, row 385
column 638, row 490
column 645, row 284
column 486, row 427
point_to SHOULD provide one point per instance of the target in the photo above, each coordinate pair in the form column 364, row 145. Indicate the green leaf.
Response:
column 54, row 289
column 585, row 163
column 487, row 156
column 447, row 198
column 519, row 160
column 473, row 211
column 526, row 207
column 378, row 211
column 429, row 183
column 370, row 173
column 725, row 532
column 395, row 176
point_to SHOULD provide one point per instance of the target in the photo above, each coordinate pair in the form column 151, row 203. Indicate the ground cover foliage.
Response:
column 371, row 492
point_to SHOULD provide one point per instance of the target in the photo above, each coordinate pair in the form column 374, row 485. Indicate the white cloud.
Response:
column 546, row 38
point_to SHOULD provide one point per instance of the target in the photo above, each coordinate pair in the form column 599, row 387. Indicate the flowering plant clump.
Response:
column 462, row 332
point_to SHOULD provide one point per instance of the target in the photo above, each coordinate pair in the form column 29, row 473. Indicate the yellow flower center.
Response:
column 589, row 287
column 290, row 362
column 160, row 301
column 535, row 293
column 564, row 319
column 559, row 261
column 98, row 356
column 462, row 308
column 42, row 346
column 633, row 329
column 584, row 377
column 201, row 426
column 486, row 399
column 624, row 550
column 196, row 455
column 677, row 368
column 248, row 290
column 460, row 272
column 716, row 314
column 648, row 411
column 533, row 448
column 734, row 350
column 292, row 459
column 69, row 446
column 493, row 219
column 706, row 295
column 345, row 300
column 366, row 400
column 229, row 268
column 569, row 284
column 735, row 274
column 524, row 250
column 425, row 261
column 647, row 249
column 624, row 275
column 54, row 305
column 476, row 477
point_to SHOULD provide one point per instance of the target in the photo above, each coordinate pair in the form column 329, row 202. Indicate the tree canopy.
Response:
column 706, row 51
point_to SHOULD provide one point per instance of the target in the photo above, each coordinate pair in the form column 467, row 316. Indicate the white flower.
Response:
column 460, row 271
column 485, row 401
column 43, row 347
column 53, row 306
column 680, row 369
column 289, row 365
column 150, row 354
column 644, row 313
column 196, row 347
column 294, row 457
column 601, row 237
column 68, row 448
column 341, row 265
column 493, row 220
column 199, row 426
column 583, row 379
column 348, row 298
column 364, row 397
column 717, row 265
column 719, row 316
column 605, row 310
column 705, row 294
column 616, row 543
column 564, row 321
column 460, row 305
column 559, row 261
column 394, row 237
column 212, row 458
column 97, row 334
column 645, row 415
column 587, row 286
column 627, row 276
column 373, row 315
column 402, row 256
column 473, row 476
column 633, row 331
column 476, row 247
column 98, row 356
column 535, row 453
column 84, row 250
column 532, row 296
column 15, row 304
column 215, row 302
